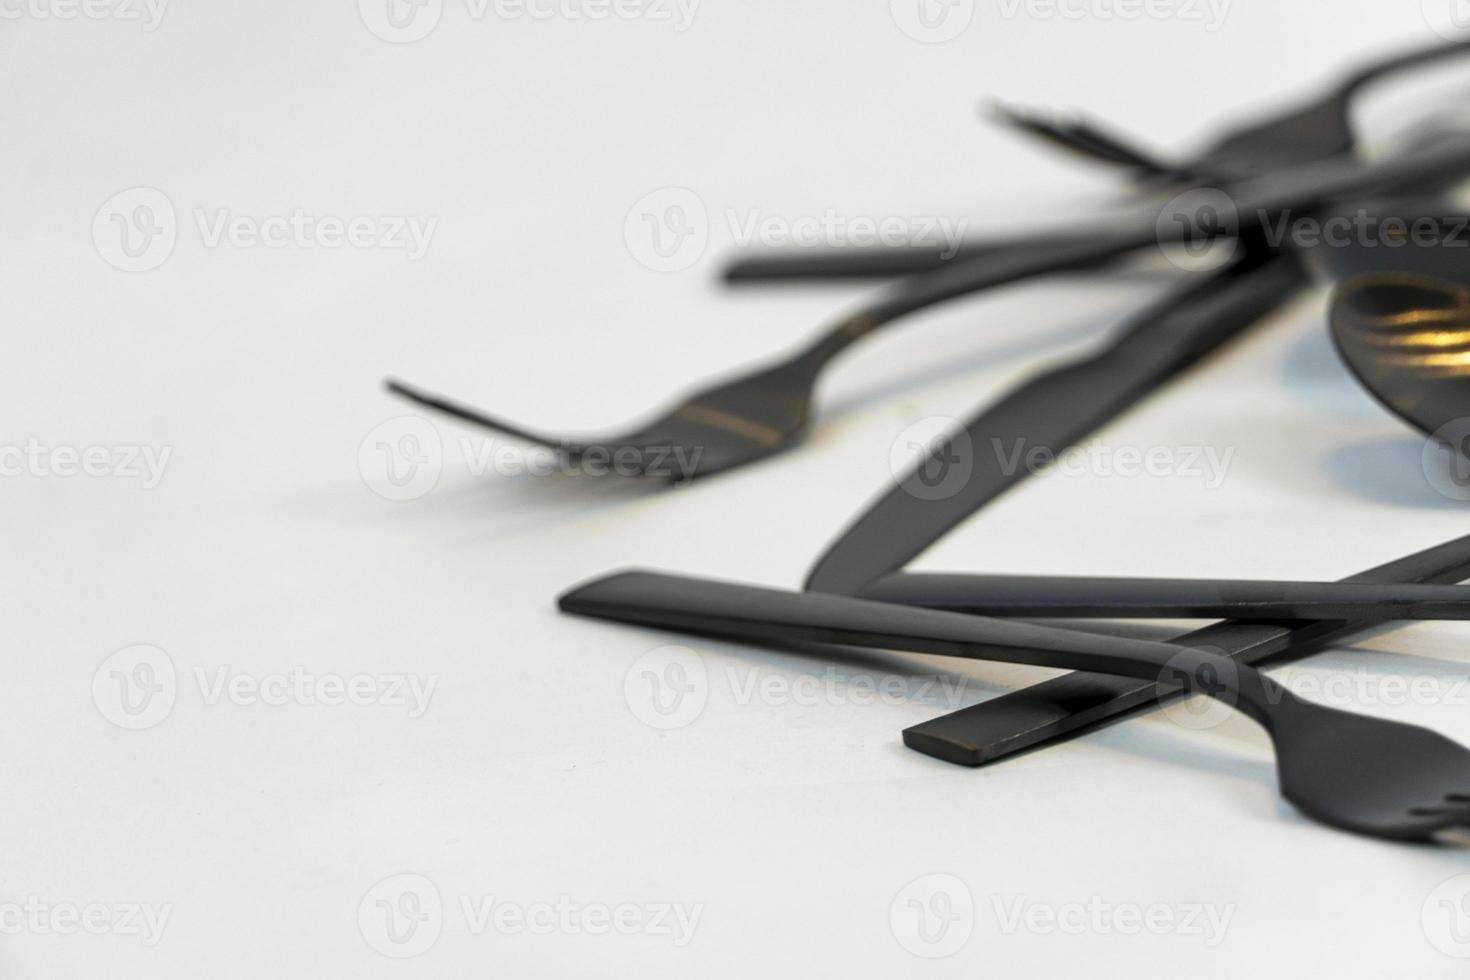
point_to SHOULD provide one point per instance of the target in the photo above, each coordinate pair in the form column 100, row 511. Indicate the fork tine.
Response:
column 442, row 404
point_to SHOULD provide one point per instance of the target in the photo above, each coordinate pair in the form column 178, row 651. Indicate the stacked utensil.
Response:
column 1403, row 329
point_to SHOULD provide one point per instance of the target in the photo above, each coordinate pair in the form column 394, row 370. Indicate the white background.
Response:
column 795, row 824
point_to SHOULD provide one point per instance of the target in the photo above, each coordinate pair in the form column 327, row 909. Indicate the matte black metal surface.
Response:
column 1317, row 129
column 1069, row 705
column 1363, row 774
column 887, row 262
column 766, row 410
column 1046, row 596
column 1406, row 336
column 1051, row 411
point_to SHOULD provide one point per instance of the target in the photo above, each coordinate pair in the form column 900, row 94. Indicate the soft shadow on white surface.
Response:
column 1378, row 469
column 1039, row 345
column 521, row 503
column 1389, row 471
column 1314, row 376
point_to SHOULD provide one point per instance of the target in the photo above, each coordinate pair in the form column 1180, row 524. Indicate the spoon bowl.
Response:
column 1406, row 337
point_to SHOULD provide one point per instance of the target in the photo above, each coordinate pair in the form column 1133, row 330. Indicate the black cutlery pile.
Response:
column 1400, row 320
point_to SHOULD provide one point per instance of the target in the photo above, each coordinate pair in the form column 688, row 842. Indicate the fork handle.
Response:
column 1163, row 598
column 890, row 262
column 1305, row 188
column 772, row 616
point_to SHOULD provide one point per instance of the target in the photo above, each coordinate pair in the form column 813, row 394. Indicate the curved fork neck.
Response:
column 1212, row 674
column 938, row 286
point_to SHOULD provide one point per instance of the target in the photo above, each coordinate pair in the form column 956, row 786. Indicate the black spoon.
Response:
column 1400, row 317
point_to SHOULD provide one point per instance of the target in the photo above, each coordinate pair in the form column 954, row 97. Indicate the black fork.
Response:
column 1366, row 775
